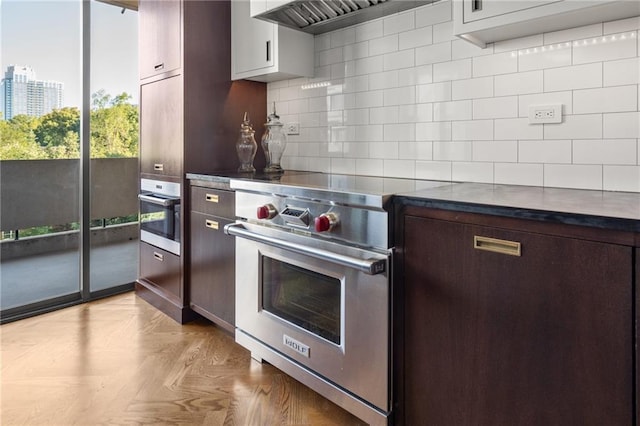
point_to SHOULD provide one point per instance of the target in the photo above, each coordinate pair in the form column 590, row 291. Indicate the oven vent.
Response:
column 320, row 16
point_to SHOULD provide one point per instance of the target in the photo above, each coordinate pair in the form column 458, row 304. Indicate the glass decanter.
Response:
column 246, row 146
column 274, row 141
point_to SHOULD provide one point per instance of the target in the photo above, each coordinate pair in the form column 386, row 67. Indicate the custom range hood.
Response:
column 321, row 16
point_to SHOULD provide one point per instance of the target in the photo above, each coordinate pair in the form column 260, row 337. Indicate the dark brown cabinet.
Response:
column 161, row 271
column 212, row 263
column 161, row 127
column 190, row 110
column 160, row 53
column 490, row 337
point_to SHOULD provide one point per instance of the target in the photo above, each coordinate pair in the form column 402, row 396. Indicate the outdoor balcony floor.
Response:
column 35, row 278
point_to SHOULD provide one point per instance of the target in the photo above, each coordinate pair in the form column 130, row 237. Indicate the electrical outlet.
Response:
column 293, row 128
column 540, row 114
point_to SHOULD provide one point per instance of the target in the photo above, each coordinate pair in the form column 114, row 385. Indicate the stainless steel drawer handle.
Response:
column 512, row 248
column 212, row 198
column 158, row 67
column 212, row 224
column 371, row 266
column 158, row 256
column 158, row 167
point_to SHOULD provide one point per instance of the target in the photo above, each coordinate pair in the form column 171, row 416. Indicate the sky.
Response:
column 47, row 36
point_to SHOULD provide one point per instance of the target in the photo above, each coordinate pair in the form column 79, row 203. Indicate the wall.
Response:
column 402, row 97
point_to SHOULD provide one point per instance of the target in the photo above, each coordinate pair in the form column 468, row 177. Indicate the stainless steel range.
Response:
column 313, row 283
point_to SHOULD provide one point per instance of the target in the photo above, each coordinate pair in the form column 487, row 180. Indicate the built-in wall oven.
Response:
column 160, row 214
column 313, row 293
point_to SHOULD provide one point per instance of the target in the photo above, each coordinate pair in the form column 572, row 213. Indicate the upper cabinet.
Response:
column 487, row 21
column 262, row 51
column 160, row 37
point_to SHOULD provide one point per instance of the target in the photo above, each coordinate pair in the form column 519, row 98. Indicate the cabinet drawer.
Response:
column 213, row 201
column 160, row 268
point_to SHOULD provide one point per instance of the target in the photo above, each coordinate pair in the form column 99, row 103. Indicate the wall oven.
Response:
column 160, row 214
column 316, row 307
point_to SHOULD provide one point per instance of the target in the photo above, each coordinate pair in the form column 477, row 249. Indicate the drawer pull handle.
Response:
column 512, row 248
column 211, row 224
column 158, row 256
column 212, row 198
column 158, row 67
column 158, row 167
column 476, row 5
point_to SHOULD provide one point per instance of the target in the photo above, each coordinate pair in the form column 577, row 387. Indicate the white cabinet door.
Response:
column 263, row 51
column 487, row 21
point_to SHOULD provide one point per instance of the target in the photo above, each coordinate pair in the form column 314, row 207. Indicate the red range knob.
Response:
column 325, row 222
column 268, row 211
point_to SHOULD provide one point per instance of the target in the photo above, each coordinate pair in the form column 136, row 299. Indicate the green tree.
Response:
column 17, row 139
column 59, row 128
column 114, row 126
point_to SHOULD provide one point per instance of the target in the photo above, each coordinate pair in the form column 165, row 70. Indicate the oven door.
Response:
column 160, row 221
column 321, row 304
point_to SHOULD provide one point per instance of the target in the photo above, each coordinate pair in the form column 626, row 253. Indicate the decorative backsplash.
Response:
column 402, row 97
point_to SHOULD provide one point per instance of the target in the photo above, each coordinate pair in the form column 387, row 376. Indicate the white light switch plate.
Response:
column 540, row 114
column 293, row 128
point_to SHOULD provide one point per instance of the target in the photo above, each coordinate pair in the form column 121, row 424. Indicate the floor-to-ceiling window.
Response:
column 68, row 151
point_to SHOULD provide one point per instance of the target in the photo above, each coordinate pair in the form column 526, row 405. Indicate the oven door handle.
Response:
column 159, row 201
column 368, row 266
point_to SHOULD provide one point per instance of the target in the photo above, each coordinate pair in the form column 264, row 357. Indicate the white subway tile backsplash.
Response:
column 435, row 92
column 574, row 77
column 403, row 97
column 538, row 58
column 502, row 107
column 605, row 151
column 472, row 130
column 500, row 63
column 399, row 60
column 417, row 75
column 563, row 98
column 519, row 174
column 545, row 151
column 436, row 131
column 435, row 13
column 400, row 132
column 587, row 126
column 369, row 167
column 516, row 128
column 624, row 71
column 454, row 70
column 384, row 150
column 383, row 45
column 604, row 48
column 415, row 38
column 573, row 34
column 451, row 111
column 453, row 151
column 408, row 150
column 621, row 125
column 433, row 170
column 495, row 151
column 399, row 96
column 400, row 168
column 629, row 24
column 443, row 32
column 472, row 88
column 399, row 22
column 432, row 54
column 573, row 176
column 472, row 172
column 369, row 30
column 610, row 99
column 621, row 178
column 518, row 83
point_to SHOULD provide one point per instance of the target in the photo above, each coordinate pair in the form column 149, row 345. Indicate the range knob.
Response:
column 326, row 222
column 268, row 211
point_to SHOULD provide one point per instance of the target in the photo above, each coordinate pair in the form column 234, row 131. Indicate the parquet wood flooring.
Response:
column 119, row 361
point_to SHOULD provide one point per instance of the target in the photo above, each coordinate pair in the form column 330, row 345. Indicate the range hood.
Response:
column 321, row 16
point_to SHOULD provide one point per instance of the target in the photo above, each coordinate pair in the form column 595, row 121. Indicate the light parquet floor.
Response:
column 119, row 361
